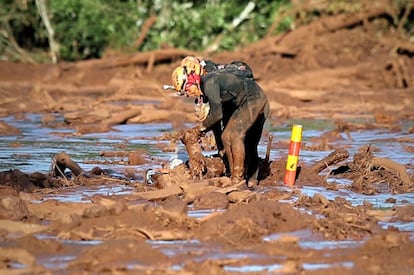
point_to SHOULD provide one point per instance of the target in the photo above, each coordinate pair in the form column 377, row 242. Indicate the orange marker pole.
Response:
column 292, row 160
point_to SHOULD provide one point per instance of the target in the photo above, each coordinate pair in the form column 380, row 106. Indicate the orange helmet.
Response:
column 193, row 65
column 188, row 59
column 179, row 78
column 183, row 81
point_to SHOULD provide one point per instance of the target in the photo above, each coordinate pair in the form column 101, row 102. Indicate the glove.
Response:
column 201, row 111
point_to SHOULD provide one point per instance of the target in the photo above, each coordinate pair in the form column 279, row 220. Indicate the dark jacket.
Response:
column 223, row 89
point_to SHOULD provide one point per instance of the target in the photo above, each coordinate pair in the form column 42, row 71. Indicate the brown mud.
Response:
column 337, row 68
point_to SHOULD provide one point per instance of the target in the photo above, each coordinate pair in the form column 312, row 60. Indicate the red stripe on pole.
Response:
column 290, row 177
column 294, row 148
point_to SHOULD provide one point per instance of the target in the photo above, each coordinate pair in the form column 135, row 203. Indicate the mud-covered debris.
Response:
column 200, row 165
column 371, row 175
column 64, row 161
column 333, row 158
column 17, row 180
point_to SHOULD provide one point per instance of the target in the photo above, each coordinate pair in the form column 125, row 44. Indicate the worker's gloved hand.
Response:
column 201, row 110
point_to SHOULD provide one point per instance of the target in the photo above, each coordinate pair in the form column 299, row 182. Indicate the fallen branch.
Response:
column 393, row 166
column 63, row 161
column 333, row 158
column 144, row 58
column 397, row 44
column 295, row 39
column 342, row 21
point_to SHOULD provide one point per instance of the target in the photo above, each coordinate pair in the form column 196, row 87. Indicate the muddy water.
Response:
column 33, row 151
column 35, row 147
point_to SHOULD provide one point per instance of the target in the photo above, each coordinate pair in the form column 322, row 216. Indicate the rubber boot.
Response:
column 252, row 181
column 237, row 172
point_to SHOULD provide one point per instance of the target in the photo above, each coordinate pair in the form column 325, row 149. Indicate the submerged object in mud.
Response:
column 63, row 161
column 17, row 180
column 150, row 176
column 333, row 158
column 200, row 165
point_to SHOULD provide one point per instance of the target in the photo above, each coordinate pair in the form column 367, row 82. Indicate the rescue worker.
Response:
column 234, row 108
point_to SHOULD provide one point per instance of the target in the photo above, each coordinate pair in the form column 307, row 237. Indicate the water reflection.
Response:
column 378, row 201
column 40, row 143
column 83, row 194
column 33, row 150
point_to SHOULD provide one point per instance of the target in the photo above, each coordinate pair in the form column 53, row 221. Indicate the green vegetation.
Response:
column 35, row 30
column 84, row 29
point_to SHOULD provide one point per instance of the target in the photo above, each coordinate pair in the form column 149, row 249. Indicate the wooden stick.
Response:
column 269, row 147
column 333, row 158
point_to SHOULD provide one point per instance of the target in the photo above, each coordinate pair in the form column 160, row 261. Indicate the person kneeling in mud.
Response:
column 234, row 107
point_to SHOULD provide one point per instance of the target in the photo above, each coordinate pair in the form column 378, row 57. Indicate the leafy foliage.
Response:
column 86, row 28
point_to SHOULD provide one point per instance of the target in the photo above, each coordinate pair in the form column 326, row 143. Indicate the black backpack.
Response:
column 238, row 68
